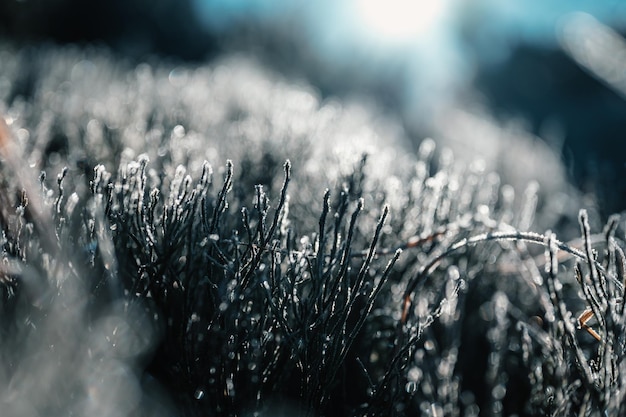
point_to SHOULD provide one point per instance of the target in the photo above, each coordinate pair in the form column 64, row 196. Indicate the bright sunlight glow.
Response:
column 400, row 20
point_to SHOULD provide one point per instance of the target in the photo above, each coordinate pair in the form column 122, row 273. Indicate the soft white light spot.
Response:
column 400, row 20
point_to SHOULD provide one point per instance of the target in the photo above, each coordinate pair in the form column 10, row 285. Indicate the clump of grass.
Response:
column 154, row 285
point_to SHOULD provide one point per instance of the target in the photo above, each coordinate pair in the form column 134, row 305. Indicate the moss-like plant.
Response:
column 141, row 282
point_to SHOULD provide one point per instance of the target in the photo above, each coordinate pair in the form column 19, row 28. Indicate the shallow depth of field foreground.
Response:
column 217, row 241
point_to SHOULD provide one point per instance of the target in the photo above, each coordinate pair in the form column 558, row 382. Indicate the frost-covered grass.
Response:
column 217, row 241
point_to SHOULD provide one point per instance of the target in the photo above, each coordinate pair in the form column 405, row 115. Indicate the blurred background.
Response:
column 524, row 85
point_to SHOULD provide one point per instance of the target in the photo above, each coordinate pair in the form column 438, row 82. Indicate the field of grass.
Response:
column 216, row 241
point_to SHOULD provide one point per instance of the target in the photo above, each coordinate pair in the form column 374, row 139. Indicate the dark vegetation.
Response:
column 138, row 280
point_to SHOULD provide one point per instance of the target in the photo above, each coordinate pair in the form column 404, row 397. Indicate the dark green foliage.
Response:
column 413, row 288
